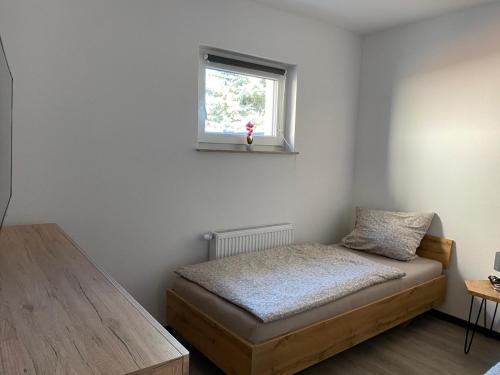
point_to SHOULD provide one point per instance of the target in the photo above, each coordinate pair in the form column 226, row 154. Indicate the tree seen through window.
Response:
column 233, row 99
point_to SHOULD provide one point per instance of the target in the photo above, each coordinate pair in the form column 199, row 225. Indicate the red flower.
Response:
column 249, row 126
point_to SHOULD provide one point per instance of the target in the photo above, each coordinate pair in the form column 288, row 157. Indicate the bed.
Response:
column 239, row 343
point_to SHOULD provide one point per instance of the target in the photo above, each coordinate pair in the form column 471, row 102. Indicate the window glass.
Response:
column 232, row 99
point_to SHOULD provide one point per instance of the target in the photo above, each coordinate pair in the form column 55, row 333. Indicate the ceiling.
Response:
column 365, row 16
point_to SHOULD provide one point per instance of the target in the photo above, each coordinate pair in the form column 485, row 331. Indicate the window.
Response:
column 235, row 90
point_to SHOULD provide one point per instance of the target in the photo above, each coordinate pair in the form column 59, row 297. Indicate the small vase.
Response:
column 249, row 143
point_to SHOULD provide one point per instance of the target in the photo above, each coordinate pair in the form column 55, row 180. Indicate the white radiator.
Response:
column 238, row 241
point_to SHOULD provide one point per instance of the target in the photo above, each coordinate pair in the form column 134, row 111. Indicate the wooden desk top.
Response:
column 60, row 314
column 483, row 289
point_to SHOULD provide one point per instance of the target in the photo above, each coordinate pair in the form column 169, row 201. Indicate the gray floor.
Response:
column 427, row 345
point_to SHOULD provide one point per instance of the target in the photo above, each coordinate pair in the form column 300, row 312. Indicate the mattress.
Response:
column 253, row 330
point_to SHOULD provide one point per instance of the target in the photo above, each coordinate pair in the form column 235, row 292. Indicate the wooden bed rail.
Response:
column 305, row 347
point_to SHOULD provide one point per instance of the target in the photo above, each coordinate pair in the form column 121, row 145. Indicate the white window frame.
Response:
column 279, row 116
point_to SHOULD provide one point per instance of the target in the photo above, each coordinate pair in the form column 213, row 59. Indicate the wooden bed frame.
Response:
column 297, row 350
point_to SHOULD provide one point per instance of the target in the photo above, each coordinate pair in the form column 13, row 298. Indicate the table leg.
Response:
column 485, row 311
column 492, row 320
column 494, row 316
column 468, row 343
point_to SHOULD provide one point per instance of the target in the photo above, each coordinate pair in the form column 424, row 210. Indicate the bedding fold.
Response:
column 278, row 283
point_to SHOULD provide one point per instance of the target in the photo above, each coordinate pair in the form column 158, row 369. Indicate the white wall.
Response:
column 428, row 136
column 105, row 127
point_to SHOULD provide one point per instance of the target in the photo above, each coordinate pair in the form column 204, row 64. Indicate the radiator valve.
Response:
column 208, row 236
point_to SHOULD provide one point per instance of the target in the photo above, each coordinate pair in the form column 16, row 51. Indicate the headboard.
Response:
column 436, row 248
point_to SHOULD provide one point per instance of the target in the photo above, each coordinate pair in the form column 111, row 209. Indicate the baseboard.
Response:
column 463, row 323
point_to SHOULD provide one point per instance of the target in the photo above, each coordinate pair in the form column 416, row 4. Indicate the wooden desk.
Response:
column 60, row 314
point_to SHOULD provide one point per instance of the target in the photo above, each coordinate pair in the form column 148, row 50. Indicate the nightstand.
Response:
column 483, row 290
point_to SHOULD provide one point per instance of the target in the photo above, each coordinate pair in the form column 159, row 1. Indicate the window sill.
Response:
column 243, row 149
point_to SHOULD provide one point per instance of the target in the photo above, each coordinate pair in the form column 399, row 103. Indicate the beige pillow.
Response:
column 395, row 235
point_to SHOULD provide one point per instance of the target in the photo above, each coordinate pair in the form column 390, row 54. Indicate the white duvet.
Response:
column 277, row 283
